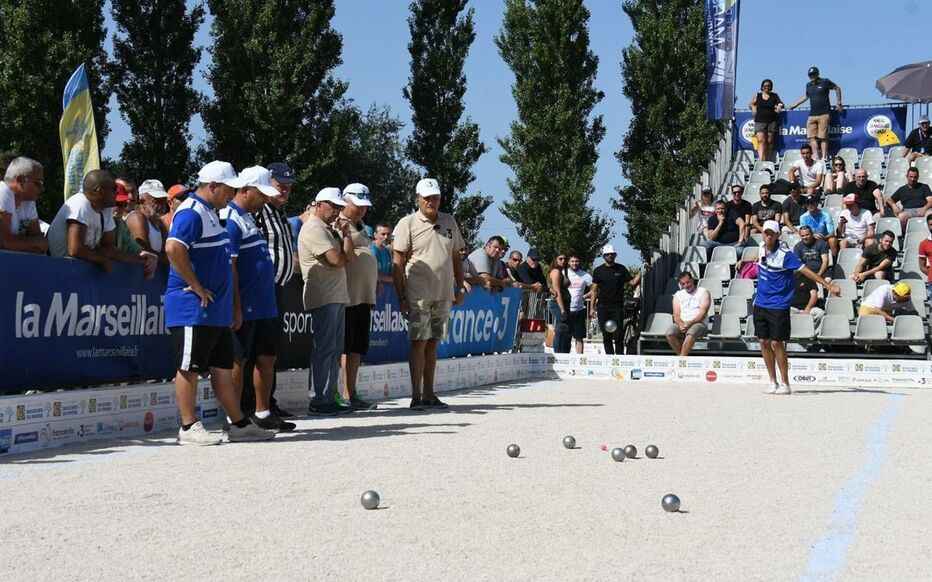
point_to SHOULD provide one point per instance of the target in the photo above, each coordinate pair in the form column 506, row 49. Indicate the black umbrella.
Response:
column 908, row 83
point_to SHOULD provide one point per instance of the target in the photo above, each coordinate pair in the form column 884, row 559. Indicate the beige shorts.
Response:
column 817, row 126
column 697, row 329
column 428, row 320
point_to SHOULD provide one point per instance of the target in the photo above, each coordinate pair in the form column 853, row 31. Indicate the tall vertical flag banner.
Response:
column 77, row 132
column 721, row 18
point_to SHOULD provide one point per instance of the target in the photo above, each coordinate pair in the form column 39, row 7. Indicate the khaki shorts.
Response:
column 817, row 126
column 428, row 320
column 868, row 310
column 914, row 212
column 697, row 329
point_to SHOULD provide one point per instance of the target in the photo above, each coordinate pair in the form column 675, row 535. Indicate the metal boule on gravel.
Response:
column 569, row 442
column 652, row 451
column 631, row 451
column 670, row 503
column 369, row 499
column 513, row 451
column 618, row 454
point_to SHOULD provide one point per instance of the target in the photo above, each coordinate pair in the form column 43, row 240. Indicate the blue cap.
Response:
column 281, row 172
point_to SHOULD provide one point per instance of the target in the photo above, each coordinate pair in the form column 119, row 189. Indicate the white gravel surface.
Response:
column 824, row 484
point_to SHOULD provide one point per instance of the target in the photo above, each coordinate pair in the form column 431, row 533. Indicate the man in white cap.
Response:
column 323, row 254
column 145, row 222
column 777, row 266
column 362, row 276
column 199, row 306
column 919, row 141
column 428, row 277
column 608, row 298
column 256, row 328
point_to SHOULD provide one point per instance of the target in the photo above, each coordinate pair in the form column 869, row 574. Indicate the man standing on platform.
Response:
column 428, row 276
column 608, row 296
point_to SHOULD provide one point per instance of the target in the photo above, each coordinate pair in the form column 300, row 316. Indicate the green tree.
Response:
column 552, row 149
column 154, row 59
column 669, row 139
column 444, row 144
column 274, row 93
column 42, row 42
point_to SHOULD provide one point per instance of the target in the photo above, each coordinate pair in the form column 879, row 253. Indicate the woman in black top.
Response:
column 767, row 107
column 560, row 304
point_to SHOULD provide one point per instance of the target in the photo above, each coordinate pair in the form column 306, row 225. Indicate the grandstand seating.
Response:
column 850, row 156
column 802, row 326
column 718, row 270
column 657, row 325
column 890, row 223
column 908, row 329
column 714, row 287
column 725, row 327
column 741, row 288
column 870, row 329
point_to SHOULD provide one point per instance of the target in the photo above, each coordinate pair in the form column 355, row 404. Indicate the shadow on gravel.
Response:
column 848, row 391
column 348, row 433
column 92, row 448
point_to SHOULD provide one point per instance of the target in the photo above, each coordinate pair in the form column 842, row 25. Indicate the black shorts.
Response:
column 259, row 337
column 576, row 320
column 356, row 330
column 772, row 324
column 199, row 348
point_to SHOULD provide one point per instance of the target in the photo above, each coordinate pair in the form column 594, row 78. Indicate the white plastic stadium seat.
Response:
column 833, row 201
column 870, row 286
column 871, row 329
column 917, row 224
column 847, row 260
column 725, row 327
column 912, row 241
column 750, row 254
column 802, row 326
column 760, row 177
column 726, row 254
column 892, row 185
column 657, row 325
column 736, row 306
column 749, row 332
column 918, row 288
column 850, row 156
column 910, row 268
column 761, row 165
column 848, row 288
column 697, row 254
column 778, row 198
column 897, row 152
column 840, row 306
column 714, row 286
column 790, row 239
column 717, row 270
column 757, row 238
column 835, row 328
column 890, row 223
column 924, row 165
column 908, row 329
column 741, row 288
column 872, row 153
column 790, row 156
column 692, row 267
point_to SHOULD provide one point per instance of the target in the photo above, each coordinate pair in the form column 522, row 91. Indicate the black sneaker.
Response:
column 360, row 404
column 416, row 404
column 273, row 422
column 434, row 402
column 327, row 409
column 281, row 412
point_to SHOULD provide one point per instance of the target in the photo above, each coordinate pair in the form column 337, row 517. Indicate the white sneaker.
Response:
column 197, row 435
column 772, row 389
column 248, row 433
column 783, row 390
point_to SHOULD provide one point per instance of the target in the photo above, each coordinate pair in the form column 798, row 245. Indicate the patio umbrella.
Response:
column 908, row 83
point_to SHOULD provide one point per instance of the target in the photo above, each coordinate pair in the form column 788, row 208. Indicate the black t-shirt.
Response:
column 865, row 195
column 811, row 256
column 918, row 141
column 765, row 108
column 611, row 281
column 817, row 92
column 735, row 210
column 912, row 197
column 802, row 293
column 766, row 211
column 792, row 210
column 729, row 232
column 529, row 276
column 512, row 272
column 874, row 255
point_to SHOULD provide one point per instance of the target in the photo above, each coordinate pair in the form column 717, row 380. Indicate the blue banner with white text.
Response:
column 721, row 18
column 857, row 128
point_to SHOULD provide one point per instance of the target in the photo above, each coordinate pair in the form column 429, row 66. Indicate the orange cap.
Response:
column 175, row 190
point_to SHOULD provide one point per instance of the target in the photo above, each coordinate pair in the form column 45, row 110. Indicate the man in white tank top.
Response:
column 144, row 223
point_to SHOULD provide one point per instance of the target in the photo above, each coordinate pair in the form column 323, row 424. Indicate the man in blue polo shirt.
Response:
column 199, row 306
column 255, row 313
column 776, row 266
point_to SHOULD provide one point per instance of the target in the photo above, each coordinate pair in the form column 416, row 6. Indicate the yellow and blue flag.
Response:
column 77, row 132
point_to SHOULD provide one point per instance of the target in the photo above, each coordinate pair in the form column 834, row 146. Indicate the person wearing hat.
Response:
column 777, row 267
column 176, row 195
column 145, row 222
column 325, row 247
column 820, row 107
column 608, row 297
column 124, row 204
column 919, row 141
column 855, row 224
column 256, row 329
column 877, row 260
column 531, row 273
column 362, row 277
column 885, row 299
column 199, row 307
column 428, row 276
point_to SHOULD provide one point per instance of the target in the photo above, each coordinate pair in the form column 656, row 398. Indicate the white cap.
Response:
column 608, row 250
column 256, row 177
column 152, row 188
column 772, row 226
column 219, row 172
column 358, row 194
column 428, row 187
column 331, row 195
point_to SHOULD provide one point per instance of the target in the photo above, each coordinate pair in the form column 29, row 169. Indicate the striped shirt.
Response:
column 274, row 225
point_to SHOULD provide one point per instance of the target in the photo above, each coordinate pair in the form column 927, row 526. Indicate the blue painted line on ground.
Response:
column 829, row 554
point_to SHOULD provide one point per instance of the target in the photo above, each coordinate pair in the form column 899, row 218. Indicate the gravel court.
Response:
column 758, row 477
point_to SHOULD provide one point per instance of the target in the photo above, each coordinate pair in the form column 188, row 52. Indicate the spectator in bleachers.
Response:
column 765, row 209
column 919, row 141
column 579, row 283
column 885, row 299
column 817, row 92
column 914, row 198
column 869, row 195
column 806, row 300
column 740, row 211
column 22, row 185
column 925, row 256
column 690, row 309
column 84, row 227
column 877, row 260
column 702, row 209
column 176, row 195
column 812, row 252
column 382, row 251
column 793, row 208
column 838, row 177
column 821, row 223
column 531, row 273
column 807, row 172
column 145, row 223
column 722, row 229
column 855, row 225
column 485, row 267
column 767, row 107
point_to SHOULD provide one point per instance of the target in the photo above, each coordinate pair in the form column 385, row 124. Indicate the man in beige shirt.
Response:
column 324, row 254
column 361, row 278
column 428, row 276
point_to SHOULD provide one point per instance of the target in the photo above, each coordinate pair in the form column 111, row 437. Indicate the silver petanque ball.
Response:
column 611, row 326
column 618, row 454
column 651, row 451
column 631, row 451
column 370, row 499
column 569, row 442
column 513, row 451
column 670, row 503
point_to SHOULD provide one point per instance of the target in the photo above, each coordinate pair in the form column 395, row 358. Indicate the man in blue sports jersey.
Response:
column 776, row 266
column 256, row 328
column 199, row 306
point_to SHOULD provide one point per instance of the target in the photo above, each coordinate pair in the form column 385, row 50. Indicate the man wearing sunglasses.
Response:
column 608, row 298
column 919, row 141
column 19, row 220
column 820, row 107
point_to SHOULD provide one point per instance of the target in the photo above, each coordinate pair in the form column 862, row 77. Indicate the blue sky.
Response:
column 853, row 43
